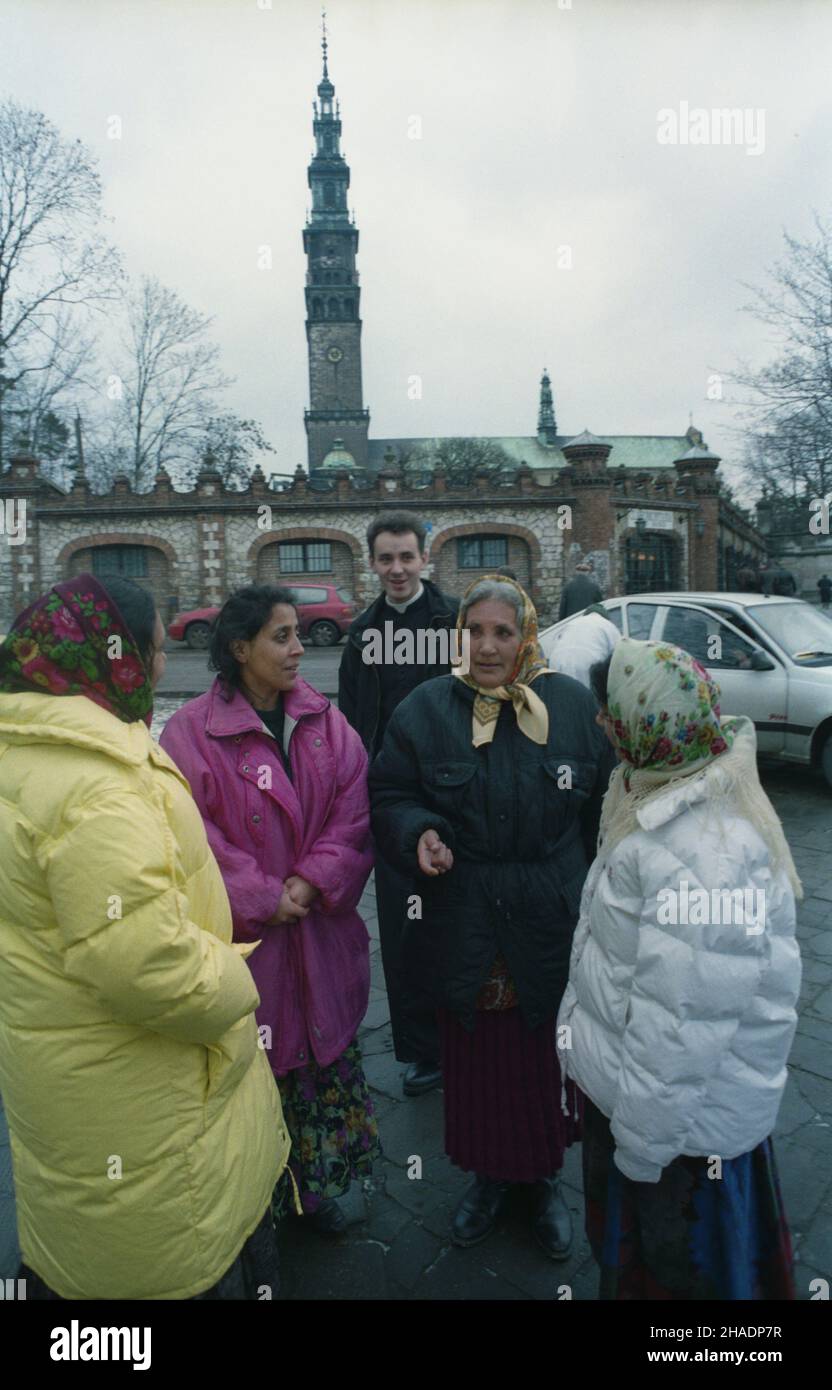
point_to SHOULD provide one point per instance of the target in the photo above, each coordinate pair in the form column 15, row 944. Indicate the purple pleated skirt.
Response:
column 502, row 1085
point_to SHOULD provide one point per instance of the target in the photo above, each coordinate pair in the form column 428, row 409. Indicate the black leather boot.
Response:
column 328, row 1220
column 552, row 1223
column 476, row 1214
column 421, row 1077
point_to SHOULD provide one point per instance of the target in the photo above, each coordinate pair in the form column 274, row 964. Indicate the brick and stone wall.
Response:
column 452, row 578
column 204, row 543
column 797, row 540
column 339, row 573
column 156, row 580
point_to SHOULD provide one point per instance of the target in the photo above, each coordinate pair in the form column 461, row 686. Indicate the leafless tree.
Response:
column 459, row 458
column 46, row 395
column 789, row 408
column 234, row 445
column 53, row 258
column 163, row 387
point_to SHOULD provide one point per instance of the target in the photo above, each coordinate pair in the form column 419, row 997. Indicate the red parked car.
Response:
column 324, row 614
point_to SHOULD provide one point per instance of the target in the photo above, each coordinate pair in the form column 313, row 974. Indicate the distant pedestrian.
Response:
column 581, row 591
column 785, row 584
column 576, row 646
column 825, row 590
column 778, row 581
column 410, row 609
column 748, row 581
column 488, row 789
column 146, row 1129
column 281, row 781
column 682, row 992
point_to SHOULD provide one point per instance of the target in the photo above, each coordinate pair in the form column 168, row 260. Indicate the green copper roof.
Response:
column 338, row 457
column 635, row 451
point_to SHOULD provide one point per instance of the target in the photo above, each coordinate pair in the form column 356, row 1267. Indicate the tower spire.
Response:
column 546, row 424
column 333, row 293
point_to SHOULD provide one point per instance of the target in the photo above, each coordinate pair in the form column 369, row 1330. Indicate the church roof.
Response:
column 587, row 437
column 636, row 451
column 697, row 454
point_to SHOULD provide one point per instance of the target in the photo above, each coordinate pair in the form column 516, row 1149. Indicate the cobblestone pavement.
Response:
column 397, row 1245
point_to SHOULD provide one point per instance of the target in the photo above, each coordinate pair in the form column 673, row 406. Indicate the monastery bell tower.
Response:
column 333, row 325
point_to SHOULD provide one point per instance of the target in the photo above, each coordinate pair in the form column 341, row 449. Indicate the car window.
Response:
column 804, row 632
column 614, row 615
column 640, row 618
column 738, row 621
column 308, row 594
column 747, row 628
column 707, row 639
column 344, row 595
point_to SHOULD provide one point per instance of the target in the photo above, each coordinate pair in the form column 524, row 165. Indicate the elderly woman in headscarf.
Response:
column 680, row 1010
column 487, row 790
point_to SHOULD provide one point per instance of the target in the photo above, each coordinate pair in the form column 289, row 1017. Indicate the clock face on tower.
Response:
column 335, row 354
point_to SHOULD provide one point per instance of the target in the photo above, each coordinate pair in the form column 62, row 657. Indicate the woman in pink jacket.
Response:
column 281, row 781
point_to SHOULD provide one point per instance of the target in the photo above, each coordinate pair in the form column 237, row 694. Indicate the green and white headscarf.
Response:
column 664, row 710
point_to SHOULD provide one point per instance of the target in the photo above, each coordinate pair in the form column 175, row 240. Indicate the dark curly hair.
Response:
column 241, row 617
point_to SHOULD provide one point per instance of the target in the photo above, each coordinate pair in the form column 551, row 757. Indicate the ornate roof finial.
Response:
column 546, row 423
column 323, row 40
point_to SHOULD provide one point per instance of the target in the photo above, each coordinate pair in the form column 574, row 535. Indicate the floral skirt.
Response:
column 334, row 1133
column 688, row 1236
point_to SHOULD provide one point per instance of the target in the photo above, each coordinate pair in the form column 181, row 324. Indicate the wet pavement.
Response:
column 397, row 1243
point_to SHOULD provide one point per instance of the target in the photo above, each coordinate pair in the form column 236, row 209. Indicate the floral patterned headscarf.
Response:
column 532, row 714
column 665, row 716
column 664, row 709
column 62, row 645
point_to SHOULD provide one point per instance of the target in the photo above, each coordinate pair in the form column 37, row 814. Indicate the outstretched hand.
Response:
column 434, row 857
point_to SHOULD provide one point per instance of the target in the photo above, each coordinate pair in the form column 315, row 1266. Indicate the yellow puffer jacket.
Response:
column 146, row 1127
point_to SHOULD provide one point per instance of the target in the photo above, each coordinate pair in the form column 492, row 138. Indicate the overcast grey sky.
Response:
column 539, row 130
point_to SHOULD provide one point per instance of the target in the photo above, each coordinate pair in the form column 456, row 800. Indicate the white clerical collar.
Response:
column 400, row 607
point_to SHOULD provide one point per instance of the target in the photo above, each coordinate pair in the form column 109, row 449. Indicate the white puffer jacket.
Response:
column 575, row 647
column 680, row 1032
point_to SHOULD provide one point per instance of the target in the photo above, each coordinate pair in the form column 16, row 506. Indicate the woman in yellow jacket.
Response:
column 146, row 1128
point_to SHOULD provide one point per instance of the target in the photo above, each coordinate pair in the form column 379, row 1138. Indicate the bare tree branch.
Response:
column 788, row 410
column 170, row 377
column 52, row 258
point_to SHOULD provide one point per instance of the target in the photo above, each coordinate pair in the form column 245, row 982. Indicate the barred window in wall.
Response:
column 481, row 552
column 128, row 561
column 305, row 557
column 651, row 563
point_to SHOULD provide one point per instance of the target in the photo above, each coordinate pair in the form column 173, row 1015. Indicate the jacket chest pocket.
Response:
column 449, row 783
column 566, row 784
column 567, row 777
